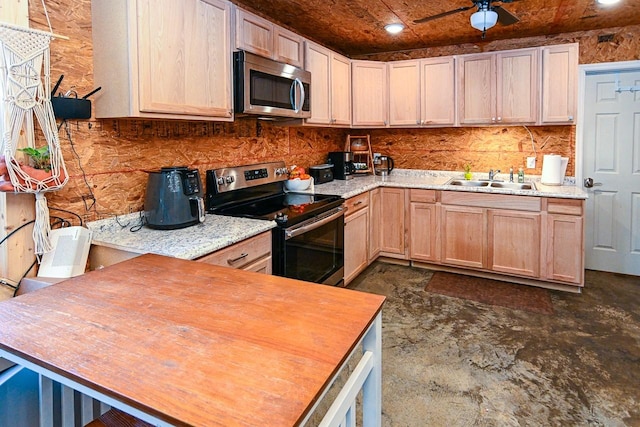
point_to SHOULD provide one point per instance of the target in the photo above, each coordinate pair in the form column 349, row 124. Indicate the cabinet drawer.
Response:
column 425, row 196
column 356, row 203
column 242, row 253
column 565, row 206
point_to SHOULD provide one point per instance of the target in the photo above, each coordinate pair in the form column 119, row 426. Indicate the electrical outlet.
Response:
column 531, row 162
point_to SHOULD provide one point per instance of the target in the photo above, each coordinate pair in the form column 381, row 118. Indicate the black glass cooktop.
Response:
column 287, row 208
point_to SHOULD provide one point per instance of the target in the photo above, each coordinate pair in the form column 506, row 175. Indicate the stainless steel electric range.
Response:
column 308, row 242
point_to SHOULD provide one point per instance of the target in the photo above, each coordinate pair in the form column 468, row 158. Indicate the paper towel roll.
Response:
column 551, row 170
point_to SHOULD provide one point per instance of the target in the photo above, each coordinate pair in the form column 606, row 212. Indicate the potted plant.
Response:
column 39, row 168
column 38, row 157
column 467, row 171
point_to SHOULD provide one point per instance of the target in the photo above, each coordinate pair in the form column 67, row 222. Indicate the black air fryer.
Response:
column 174, row 198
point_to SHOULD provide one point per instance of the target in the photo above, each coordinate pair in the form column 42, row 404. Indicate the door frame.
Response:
column 584, row 70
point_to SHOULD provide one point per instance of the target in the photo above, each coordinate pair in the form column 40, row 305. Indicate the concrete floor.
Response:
column 454, row 362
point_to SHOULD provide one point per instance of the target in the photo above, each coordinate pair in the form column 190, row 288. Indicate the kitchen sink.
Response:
column 492, row 184
column 514, row 185
column 465, row 183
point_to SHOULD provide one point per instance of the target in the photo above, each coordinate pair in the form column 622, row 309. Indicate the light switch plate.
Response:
column 531, row 162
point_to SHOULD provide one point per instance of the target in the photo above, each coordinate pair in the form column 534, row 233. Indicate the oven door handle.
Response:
column 292, row 232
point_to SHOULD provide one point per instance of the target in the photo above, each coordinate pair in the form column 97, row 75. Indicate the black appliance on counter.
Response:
column 343, row 167
column 174, row 198
column 308, row 242
column 321, row 173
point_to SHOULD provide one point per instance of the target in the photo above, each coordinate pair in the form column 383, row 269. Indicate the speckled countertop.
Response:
column 215, row 233
column 435, row 180
column 218, row 232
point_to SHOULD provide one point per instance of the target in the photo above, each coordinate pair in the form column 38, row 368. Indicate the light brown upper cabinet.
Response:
column 162, row 59
column 422, row 92
column 257, row 35
column 404, row 93
column 559, row 84
column 499, row 87
column 369, row 79
column 331, row 86
column 438, row 91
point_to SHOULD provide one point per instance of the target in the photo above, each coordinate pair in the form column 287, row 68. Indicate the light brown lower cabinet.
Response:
column 424, row 220
column 531, row 238
column 253, row 254
column 514, row 242
column 356, row 236
column 375, row 218
column 565, row 248
column 392, row 222
column 464, row 236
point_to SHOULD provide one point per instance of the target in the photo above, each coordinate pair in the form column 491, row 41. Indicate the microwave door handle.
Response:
column 302, row 94
column 293, row 98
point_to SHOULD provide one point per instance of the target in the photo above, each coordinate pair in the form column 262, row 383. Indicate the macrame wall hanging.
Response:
column 25, row 96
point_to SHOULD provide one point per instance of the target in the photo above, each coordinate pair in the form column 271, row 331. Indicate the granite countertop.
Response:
column 435, row 180
column 216, row 232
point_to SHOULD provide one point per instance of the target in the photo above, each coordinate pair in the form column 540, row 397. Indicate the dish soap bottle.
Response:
column 520, row 175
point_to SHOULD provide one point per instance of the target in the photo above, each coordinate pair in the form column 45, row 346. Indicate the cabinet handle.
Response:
column 493, row 119
column 359, row 202
column 499, row 119
column 570, row 118
column 233, row 261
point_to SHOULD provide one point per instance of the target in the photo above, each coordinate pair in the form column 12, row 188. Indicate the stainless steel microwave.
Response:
column 269, row 88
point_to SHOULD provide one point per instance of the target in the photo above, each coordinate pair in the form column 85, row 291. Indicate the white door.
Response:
column 611, row 171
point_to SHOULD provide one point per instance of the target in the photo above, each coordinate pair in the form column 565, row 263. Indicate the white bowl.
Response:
column 297, row 184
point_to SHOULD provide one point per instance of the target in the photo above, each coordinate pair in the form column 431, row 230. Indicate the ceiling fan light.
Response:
column 484, row 19
column 394, row 28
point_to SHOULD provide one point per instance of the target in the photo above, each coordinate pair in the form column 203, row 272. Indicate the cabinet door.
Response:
column 514, row 242
column 438, row 94
column 318, row 62
column 356, row 231
column 254, row 34
column 375, row 218
column 517, row 86
column 476, row 89
column 559, row 84
column 404, row 93
column 183, row 57
column 393, row 222
column 424, row 228
column 288, row 47
column 340, row 84
column 565, row 250
column 463, row 236
column 369, row 80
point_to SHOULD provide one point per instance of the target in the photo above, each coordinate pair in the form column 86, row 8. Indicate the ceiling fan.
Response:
column 484, row 18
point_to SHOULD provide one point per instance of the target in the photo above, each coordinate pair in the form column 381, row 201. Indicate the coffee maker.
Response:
column 342, row 162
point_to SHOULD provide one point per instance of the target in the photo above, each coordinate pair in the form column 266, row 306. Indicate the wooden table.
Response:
column 176, row 342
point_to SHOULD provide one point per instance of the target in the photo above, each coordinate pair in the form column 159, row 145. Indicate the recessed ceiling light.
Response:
column 608, row 1
column 394, row 28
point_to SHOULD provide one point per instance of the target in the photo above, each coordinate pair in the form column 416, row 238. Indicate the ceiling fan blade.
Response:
column 504, row 16
column 440, row 15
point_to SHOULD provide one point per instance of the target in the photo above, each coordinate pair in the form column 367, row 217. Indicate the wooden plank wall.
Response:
column 115, row 153
column 16, row 210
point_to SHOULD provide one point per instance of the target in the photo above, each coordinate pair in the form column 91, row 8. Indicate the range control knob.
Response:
column 281, row 171
column 230, row 179
column 220, row 180
column 281, row 218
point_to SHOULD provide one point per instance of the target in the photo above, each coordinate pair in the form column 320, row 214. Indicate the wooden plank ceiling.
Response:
column 356, row 27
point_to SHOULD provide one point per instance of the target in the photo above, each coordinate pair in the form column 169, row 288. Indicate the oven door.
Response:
column 313, row 250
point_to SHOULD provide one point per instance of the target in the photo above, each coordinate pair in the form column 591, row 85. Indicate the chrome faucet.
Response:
column 492, row 174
